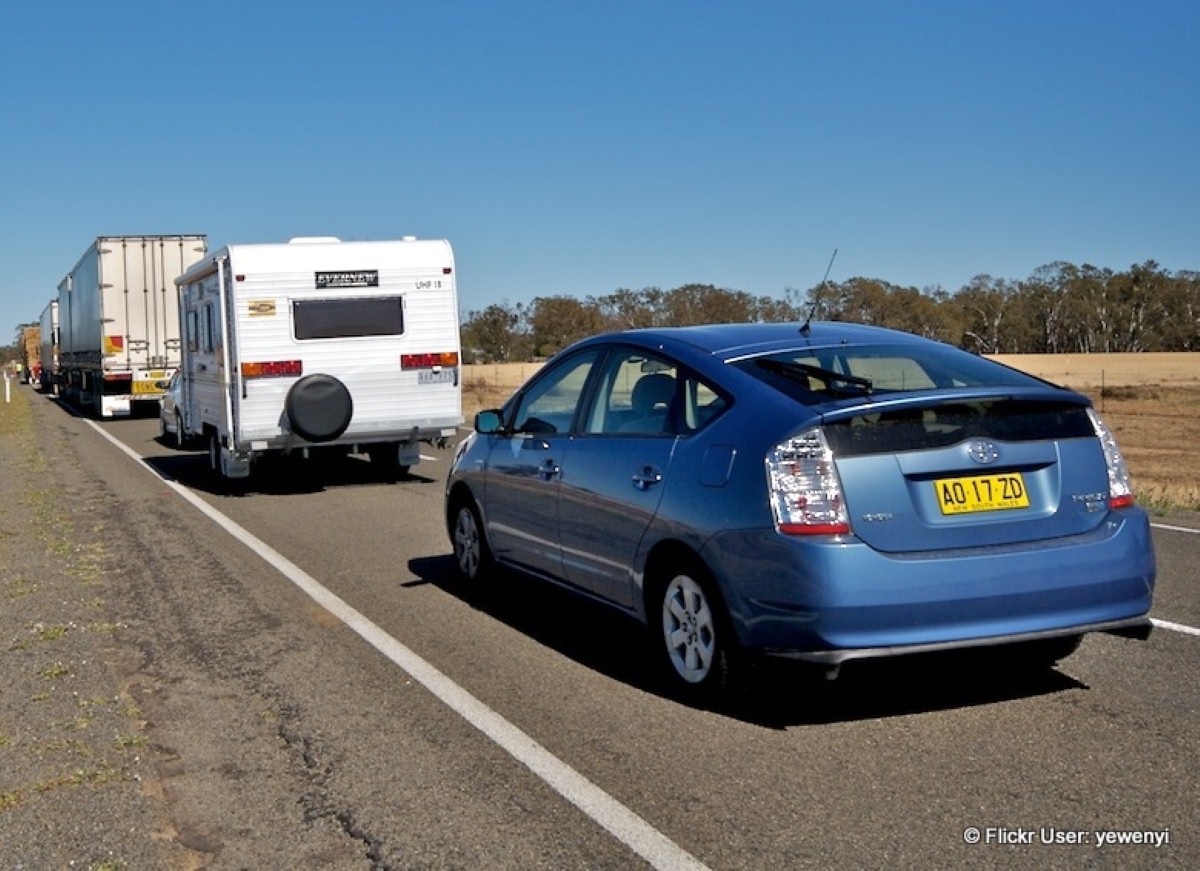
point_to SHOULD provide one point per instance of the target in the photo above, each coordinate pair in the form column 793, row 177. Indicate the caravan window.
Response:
column 208, row 340
column 345, row 318
column 193, row 331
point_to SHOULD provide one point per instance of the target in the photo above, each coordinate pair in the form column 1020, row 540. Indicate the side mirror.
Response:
column 489, row 422
column 162, row 385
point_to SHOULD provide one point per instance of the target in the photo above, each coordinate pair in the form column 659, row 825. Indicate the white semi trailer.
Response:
column 118, row 313
column 320, row 345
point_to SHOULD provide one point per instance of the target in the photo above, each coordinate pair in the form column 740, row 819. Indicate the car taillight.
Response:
column 428, row 361
column 806, row 493
column 1120, row 485
column 272, row 369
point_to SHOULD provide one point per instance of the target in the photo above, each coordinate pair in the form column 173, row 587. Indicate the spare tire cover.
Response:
column 319, row 408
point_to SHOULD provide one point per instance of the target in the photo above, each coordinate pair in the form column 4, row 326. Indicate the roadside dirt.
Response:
column 139, row 723
column 78, row 787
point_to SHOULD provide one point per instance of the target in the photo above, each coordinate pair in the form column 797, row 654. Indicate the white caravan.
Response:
column 320, row 343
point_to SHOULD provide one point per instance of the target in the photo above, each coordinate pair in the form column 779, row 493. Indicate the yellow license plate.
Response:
column 145, row 387
column 981, row 493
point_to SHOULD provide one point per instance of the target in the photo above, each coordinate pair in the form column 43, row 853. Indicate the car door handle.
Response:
column 548, row 470
column 647, row 478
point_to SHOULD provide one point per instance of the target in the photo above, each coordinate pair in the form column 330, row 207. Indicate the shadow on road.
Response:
column 272, row 474
column 775, row 695
column 280, row 475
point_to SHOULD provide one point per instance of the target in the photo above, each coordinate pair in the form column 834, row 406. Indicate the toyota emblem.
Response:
column 983, row 452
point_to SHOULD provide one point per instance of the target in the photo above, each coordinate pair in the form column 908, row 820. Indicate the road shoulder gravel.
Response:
column 78, row 785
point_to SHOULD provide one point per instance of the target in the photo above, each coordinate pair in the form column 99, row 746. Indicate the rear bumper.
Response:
column 1136, row 627
column 829, row 600
column 276, row 438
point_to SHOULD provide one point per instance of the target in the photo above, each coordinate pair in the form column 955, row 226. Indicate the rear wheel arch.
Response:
column 668, row 557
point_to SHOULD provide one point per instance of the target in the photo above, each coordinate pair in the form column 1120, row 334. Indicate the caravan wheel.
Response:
column 214, row 454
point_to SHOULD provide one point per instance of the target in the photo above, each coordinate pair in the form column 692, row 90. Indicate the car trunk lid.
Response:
column 921, row 474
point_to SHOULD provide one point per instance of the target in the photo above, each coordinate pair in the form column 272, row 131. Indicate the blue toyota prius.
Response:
column 823, row 492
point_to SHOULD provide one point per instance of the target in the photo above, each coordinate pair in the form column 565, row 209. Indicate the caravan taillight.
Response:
column 273, row 369
column 428, row 361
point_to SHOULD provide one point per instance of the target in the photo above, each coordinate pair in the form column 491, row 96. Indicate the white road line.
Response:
column 621, row 822
column 1176, row 528
column 1175, row 627
column 1167, row 624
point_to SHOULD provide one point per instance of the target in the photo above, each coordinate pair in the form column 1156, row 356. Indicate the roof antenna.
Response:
column 805, row 328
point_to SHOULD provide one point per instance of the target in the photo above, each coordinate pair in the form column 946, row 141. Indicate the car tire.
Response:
column 472, row 556
column 693, row 634
column 181, row 440
column 319, row 408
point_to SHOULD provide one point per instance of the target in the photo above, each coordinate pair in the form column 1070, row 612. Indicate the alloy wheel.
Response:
column 689, row 629
column 468, row 546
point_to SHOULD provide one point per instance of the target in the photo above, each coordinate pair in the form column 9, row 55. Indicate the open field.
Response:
column 1085, row 372
column 1151, row 401
column 1152, row 404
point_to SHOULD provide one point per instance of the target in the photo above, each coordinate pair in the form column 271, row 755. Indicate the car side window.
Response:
column 700, row 404
column 643, row 395
column 549, row 405
column 635, row 396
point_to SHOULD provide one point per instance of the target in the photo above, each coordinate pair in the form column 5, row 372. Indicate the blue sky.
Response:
column 577, row 148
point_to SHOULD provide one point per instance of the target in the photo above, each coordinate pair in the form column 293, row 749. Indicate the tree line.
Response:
column 1060, row 308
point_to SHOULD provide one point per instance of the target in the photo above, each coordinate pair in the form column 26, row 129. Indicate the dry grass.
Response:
column 1151, row 402
column 1086, row 372
column 487, row 386
column 1156, row 428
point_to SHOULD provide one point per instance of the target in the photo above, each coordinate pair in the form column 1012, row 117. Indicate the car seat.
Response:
column 651, row 400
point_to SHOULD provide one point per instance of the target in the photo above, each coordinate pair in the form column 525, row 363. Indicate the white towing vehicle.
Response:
column 319, row 344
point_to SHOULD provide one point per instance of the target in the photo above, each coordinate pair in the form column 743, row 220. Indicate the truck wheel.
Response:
column 319, row 408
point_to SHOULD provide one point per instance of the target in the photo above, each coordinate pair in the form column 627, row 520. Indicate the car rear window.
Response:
column 943, row 424
column 817, row 375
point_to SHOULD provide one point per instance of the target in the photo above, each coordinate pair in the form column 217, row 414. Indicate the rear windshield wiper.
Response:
column 801, row 372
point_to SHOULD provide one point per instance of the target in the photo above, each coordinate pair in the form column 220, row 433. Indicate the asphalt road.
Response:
column 405, row 722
